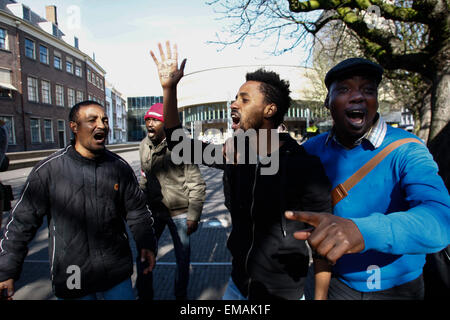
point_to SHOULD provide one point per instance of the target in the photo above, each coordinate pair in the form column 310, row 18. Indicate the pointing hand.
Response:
column 331, row 237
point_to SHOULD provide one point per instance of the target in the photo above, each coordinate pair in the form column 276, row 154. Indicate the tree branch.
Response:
column 417, row 13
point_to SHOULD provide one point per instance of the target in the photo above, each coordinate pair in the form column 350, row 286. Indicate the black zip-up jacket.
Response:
column 86, row 203
column 268, row 262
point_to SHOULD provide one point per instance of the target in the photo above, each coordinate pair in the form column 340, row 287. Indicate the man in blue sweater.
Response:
column 379, row 234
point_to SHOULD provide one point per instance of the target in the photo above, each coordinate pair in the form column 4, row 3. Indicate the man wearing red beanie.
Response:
column 175, row 194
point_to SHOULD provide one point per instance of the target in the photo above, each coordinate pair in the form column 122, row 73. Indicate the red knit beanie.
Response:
column 156, row 112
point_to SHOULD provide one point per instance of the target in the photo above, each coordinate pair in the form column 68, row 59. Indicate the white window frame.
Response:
column 71, row 98
column 57, row 55
column 78, row 70
column 34, row 89
column 69, row 61
column 46, row 96
column 58, row 122
column 59, row 95
column 4, row 40
column 33, row 49
column 79, row 96
column 46, row 54
column 39, row 130
column 51, row 131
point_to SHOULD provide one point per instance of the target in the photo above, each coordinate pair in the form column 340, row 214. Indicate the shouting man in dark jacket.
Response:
column 86, row 192
column 268, row 263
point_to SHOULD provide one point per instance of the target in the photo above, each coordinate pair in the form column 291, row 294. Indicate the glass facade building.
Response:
column 137, row 107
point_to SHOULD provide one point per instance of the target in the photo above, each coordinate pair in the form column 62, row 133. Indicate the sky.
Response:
column 122, row 33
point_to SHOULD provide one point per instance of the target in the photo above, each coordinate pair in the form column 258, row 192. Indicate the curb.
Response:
column 24, row 162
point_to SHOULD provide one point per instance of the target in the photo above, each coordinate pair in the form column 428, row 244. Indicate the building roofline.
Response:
column 247, row 66
column 16, row 19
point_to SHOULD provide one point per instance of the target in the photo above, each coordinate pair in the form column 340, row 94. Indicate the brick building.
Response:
column 41, row 77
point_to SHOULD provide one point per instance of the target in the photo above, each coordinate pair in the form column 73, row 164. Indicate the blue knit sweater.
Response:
column 401, row 208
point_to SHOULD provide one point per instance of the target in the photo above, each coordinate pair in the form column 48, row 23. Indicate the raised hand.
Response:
column 168, row 71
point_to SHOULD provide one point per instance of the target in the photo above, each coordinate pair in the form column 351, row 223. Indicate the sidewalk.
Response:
column 25, row 159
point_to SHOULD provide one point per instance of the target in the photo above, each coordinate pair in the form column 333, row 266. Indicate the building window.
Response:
column 57, row 63
column 45, row 90
column 5, row 78
column 6, row 93
column 54, row 30
column 29, row 49
column 9, row 124
column 59, row 95
column 26, row 13
column 78, row 69
column 3, row 39
column 61, row 125
column 69, row 65
column 35, row 128
column 61, row 133
column 43, row 54
column 71, row 97
column 33, row 89
column 48, row 130
column 89, row 75
column 80, row 96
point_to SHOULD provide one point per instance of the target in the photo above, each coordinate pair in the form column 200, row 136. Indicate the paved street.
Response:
column 210, row 259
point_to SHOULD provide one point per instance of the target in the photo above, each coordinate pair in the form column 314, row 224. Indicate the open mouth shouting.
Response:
column 151, row 132
column 236, row 118
column 356, row 116
column 100, row 137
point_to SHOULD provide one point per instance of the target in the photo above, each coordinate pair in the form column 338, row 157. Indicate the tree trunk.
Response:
column 440, row 104
column 441, row 153
column 439, row 138
column 423, row 121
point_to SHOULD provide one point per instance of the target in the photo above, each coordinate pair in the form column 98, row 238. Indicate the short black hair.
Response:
column 73, row 115
column 275, row 91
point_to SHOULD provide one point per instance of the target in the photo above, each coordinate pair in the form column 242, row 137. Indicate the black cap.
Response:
column 354, row 66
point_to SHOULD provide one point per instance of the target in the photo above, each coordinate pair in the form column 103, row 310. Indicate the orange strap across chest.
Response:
column 342, row 189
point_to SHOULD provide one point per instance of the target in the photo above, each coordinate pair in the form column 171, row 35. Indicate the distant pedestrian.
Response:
column 175, row 194
column 382, row 228
column 86, row 192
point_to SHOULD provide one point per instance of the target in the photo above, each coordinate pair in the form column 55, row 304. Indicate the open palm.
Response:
column 168, row 71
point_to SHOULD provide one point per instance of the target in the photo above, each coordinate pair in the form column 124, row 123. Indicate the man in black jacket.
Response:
column 268, row 263
column 86, row 192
